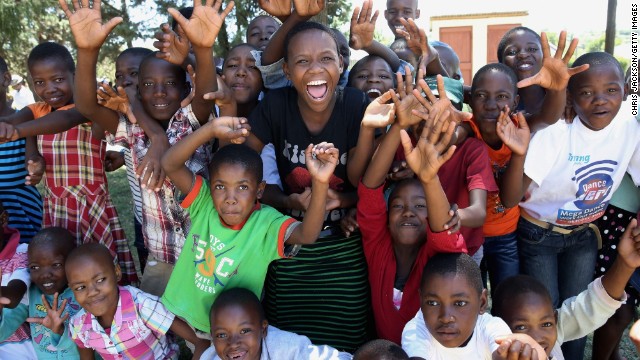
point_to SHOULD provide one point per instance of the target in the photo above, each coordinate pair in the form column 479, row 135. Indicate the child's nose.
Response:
column 159, row 90
column 445, row 315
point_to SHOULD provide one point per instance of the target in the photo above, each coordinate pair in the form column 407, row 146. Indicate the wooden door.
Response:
column 460, row 38
column 494, row 34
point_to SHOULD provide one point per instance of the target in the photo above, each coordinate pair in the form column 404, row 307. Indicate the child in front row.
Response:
column 452, row 323
column 524, row 303
column 233, row 237
column 240, row 330
column 119, row 322
column 47, row 253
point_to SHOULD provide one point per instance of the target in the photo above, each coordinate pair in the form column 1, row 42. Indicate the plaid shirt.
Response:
column 138, row 330
column 76, row 195
column 165, row 224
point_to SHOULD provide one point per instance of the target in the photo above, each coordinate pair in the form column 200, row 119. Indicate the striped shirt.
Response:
column 138, row 330
column 165, row 224
column 134, row 185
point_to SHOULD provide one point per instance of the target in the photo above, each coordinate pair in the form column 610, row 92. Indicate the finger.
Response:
column 374, row 18
column 562, row 41
column 522, row 121
column 579, row 69
column 64, row 317
column 525, row 353
column 154, row 179
column 181, row 20
column 406, row 143
column 572, row 48
column 401, row 89
column 546, row 52
column 63, row 305
column 111, row 24
column 228, row 9
column 408, row 81
column 65, row 8
column 532, row 80
column 5, row 301
column 354, row 16
column 35, row 320
column 442, row 92
column 427, row 91
column 416, row 93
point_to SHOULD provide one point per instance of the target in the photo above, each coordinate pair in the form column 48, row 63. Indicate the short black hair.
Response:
column 237, row 296
column 380, row 349
column 306, row 26
column 55, row 236
column 236, row 154
column 3, row 65
column 453, row 263
column 514, row 286
column 503, row 42
column 356, row 67
column 51, row 50
column 597, row 59
column 261, row 17
column 135, row 51
column 499, row 67
column 400, row 184
column 95, row 251
column 179, row 71
column 186, row 12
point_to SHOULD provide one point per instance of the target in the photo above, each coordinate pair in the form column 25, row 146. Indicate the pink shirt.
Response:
column 137, row 332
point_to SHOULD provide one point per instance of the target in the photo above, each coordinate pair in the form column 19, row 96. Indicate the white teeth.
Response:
column 524, row 66
column 161, row 105
column 316, row 82
column 374, row 91
column 47, row 285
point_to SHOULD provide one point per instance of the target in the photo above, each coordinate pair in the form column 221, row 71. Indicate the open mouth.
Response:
column 408, row 224
column 48, row 285
column 374, row 93
column 317, row 89
column 525, row 66
column 237, row 355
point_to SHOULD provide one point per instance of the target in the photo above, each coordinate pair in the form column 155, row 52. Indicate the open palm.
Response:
column 204, row 25
column 516, row 138
column 86, row 23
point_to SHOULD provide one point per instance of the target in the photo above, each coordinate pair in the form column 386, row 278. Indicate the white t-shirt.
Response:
column 418, row 342
column 575, row 170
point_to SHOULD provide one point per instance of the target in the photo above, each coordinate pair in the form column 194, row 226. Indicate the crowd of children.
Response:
column 289, row 206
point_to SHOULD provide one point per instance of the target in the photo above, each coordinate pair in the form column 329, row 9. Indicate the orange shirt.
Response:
column 500, row 220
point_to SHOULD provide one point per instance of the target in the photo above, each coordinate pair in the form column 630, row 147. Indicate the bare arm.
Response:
column 514, row 181
column 86, row 354
column 615, row 279
column 474, row 215
column 361, row 35
column 183, row 330
column 275, row 49
column 25, row 114
column 52, row 123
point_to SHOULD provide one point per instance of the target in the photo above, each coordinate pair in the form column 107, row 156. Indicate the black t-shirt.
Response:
column 277, row 120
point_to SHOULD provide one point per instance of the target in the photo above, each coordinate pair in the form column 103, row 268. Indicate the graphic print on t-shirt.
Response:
column 594, row 186
column 211, row 267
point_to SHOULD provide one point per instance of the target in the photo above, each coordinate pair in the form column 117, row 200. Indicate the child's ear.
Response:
column 260, row 191
column 118, row 273
column 516, row 100
column 265, row 328
column 342, row 64
column 417, row 14
column 626, row 91
column 483, row 301
column 285, row 68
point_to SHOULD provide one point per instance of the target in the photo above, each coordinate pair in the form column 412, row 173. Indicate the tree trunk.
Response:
column 610, row 36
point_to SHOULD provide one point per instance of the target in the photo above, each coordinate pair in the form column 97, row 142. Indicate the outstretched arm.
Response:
column 173, row 161
column 89, row 34
column 201, row 30
column 321, row 161
column 418, row 43
column 628, row 260
column 361, row 35
column 554, row 77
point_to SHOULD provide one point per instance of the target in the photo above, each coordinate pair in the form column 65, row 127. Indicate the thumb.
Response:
column 406, row 143
column 181, row 20
column 111, row 24
column 36, row 320
column 533, row 80
column 212, row 95
column 5, row 300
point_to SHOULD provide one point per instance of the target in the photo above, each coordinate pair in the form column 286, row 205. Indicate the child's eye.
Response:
column 34, row 267
column 101, row 280
column 57, row 265
column 38, row 82
column 59, row 80
column 502, row 96
column 327, row 58
column 219, row 187
column 385, row 77
column 232, row 66
column 147, row 84
column 511, row 52
column 460, row 303
column 532, row 49
column 585, row 93
column 421, row 206
column 479, row 95
column 134, row 73
column 171, row 83
column 79, row 288
column 119, row 76
column 613, row 90
column 520, row 328
column 547, row 324
column 396, row 206
column 432, row 303
column 221, row 336
column 243, row 187
column 302, row 61
column 245, row 331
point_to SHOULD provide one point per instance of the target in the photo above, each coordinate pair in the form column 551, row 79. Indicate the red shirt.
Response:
column 381, row 260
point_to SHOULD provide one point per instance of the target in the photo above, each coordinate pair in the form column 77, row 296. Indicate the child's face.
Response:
column 532, row 314
column 242, row 76
column 450, row 61
column 127, row 67
column 234, row 192
column 408, row 214
column 597, row 95
column 5, row 81
column 374, row 77
column 161, row 89
column 94, row 281
column 52, row 82
column 400, row 9
column 46, row 265
column 260, row 31
column 450, row 306
column 314, row 68
column 494, row 90
column 237, row 332
column 523, row 54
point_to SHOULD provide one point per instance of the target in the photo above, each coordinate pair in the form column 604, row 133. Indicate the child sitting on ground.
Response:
column 15, row 279
column 119, row 322
column 525, row 304
column 452, row 323
column 240, row 330
column 380, row 349
column 50, row 301
column 233, row 237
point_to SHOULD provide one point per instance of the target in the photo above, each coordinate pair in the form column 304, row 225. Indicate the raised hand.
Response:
column 35, row 168
column 418, row 43
column 629, row 246
column 555, row 73
column 116, row 100
column 86, row 23
column 516, row 138
column 205, row 22
column 8, row 132
column 404, row 101
column 432, row 150
column 453, row 225
column 362, row 26
column 276, row 8
column 192, row 74
column 400, row 171
column 379, row 114
column 54, row 319
column 518, row 347
column 173, row 46
column 321, row 161
column 308, row 7
column 233, row 129
column 223, row 97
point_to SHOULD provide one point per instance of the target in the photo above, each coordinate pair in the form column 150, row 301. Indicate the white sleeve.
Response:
column 415, row 337
column 584, row 313
column 634, row 165
column 270, row 172
column 492, row 328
